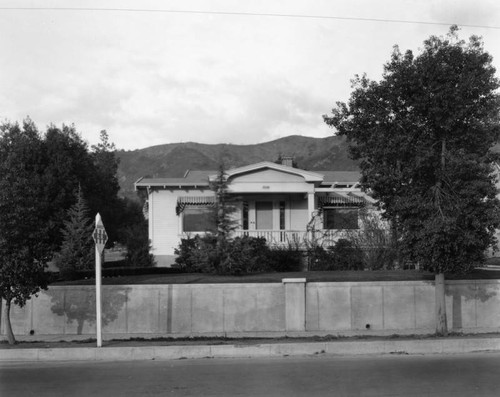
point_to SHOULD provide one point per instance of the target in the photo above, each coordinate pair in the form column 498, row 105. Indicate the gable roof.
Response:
column 340, row 176
column 202, row 178
column 190, row 178
column 307, row 175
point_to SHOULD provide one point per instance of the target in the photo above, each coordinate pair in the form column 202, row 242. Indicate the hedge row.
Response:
column 242, row 255
column 120, row 272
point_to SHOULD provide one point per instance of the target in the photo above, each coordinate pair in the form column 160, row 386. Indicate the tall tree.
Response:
column 106, row 186
column 224, row 207
column 72, row 165
column 77, row 249
column 134, row 234
column 38, row 177
column 24, row 217
column 69, row 168
column 423, row 135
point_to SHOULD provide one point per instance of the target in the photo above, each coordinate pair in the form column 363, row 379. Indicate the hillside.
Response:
column 172, row 160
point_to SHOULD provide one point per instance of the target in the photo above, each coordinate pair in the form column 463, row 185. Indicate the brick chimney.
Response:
column 287, row 161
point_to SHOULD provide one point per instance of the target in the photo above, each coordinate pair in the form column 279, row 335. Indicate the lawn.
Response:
column 325, row 276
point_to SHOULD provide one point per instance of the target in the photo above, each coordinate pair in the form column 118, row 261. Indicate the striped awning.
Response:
column 334, row 199
column 193, row 201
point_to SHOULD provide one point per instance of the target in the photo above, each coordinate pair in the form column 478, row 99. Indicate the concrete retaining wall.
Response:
column 292, row 307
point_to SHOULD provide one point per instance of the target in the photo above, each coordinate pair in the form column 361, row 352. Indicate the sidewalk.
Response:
column 51, row 349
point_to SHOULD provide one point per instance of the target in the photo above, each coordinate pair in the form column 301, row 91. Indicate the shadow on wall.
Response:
column 79, row 305
column 464, row 299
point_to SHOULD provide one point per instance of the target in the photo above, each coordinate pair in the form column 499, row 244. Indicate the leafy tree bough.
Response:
column 424, row 135
column 40, row 214
column 24, row 243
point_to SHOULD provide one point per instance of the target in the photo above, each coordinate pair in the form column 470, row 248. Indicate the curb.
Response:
column 177, row 352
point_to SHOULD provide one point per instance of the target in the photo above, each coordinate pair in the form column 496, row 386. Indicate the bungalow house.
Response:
column 275, row 201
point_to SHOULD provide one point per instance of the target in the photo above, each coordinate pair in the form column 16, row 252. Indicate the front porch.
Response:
column 297, row 238
column 293, row 219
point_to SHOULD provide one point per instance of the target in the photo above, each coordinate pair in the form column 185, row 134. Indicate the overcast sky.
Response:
column 208, row 74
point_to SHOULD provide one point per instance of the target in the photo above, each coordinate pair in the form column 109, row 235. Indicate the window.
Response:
column 245, row 215
column 340, row 218
column 198, row 219
column 282, row 215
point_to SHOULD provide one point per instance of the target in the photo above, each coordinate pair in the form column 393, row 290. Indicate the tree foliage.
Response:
column 106, row 187
column 39, row 174
column 374, row 239
column 224, row 207
column 24, row 241
column 423, row 136
column 241, row 255
column 344, row 255
column 70, row 165
column 77, row 250
column 68, row 168
column 134, row 234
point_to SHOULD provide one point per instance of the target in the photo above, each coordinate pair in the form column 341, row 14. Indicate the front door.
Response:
column 264, row 215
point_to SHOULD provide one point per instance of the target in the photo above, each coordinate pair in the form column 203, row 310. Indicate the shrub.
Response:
column 319, row 258
column 380, row 258
column 244, row 255
column 347, row 256
column 376, row 240
column 208, row 254
column 116, row 272
column 138, row 246
column 184, row 254
column 286, row 259
column 197, row 254
column 342, row 256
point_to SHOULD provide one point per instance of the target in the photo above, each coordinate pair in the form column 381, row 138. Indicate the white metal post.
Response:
column 98, row 306
column 100, row 238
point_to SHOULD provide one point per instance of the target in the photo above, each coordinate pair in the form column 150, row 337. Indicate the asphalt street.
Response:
column 388, row 375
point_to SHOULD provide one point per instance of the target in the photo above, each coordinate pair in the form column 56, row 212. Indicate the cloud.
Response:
column 244, row 112
column 150, row 78
column 481, row 12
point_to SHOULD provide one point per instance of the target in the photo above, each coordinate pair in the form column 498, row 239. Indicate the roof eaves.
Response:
column 171, row 184
column 308, row 175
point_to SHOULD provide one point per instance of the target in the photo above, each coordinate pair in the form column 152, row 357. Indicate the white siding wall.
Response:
column 165, row 227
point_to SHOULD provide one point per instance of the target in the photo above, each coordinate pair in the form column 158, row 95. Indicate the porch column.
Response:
column 310, row 210
column 310, row 205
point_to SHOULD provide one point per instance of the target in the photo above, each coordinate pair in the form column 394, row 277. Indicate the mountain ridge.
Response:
column 173, row 159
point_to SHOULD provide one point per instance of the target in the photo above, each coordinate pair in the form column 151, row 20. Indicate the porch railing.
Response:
column 293, row 237
column 276, row 237
column 299, row 238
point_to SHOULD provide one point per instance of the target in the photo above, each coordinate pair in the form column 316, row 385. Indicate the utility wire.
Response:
column 252, row 14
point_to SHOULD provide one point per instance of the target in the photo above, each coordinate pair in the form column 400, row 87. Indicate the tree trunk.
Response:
column 443, row 154
column 10, row 334
column 441, row 327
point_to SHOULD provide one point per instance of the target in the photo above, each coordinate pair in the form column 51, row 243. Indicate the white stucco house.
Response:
column 275, row 201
